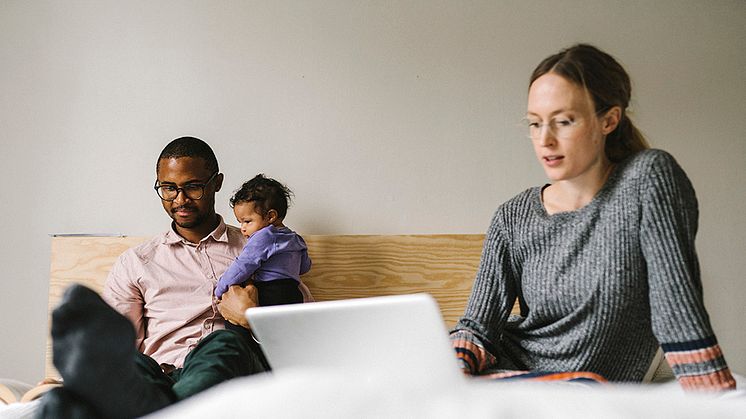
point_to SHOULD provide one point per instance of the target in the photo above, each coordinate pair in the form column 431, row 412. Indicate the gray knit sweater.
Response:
column 600, row 288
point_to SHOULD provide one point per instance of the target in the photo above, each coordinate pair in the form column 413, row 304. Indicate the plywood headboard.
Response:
column 343, row 267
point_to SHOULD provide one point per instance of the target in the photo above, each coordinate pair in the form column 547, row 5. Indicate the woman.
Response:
column 602, row 259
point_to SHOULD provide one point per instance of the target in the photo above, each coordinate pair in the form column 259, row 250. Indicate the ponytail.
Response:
column 624, row 141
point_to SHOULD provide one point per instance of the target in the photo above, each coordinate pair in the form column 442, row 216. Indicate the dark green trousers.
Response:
column 220, row 356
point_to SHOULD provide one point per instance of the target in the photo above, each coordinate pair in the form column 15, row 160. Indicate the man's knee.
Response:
column 237, row 345
column 220, row 356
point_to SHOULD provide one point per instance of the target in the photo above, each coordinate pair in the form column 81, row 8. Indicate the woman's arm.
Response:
column 679, row 318
column 475, row 335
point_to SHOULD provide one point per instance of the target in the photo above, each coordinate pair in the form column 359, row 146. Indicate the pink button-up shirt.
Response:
column 165, row 287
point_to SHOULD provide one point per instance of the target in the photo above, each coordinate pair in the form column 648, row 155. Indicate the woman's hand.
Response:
column 235, row 301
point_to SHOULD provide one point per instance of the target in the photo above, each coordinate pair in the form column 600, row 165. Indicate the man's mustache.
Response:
column 183, row 208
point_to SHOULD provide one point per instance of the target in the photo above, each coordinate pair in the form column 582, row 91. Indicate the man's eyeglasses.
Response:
column 192, row 191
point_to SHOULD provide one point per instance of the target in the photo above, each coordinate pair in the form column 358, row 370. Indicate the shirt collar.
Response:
column 220, row 234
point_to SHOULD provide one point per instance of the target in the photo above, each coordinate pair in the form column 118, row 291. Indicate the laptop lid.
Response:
column 402, row 336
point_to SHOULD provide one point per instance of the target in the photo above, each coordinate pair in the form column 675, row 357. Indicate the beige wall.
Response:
column 384, row 117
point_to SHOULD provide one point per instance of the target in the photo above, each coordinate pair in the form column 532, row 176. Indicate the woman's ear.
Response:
column 611, row 120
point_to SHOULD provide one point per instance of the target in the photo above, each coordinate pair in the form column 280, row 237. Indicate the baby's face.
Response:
column 249, row 219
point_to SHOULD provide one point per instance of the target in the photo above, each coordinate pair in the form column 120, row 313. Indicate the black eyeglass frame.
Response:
column 158, row 189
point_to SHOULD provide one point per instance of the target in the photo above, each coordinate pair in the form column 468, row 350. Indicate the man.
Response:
column 164, row 288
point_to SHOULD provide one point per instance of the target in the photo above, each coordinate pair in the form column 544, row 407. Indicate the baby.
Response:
column 274, row 256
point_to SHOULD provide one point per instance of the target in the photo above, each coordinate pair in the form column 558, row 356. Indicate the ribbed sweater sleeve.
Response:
column 679, row 319
column 476, row 335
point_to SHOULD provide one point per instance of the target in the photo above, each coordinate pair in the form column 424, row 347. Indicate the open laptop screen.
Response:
column 401, row 336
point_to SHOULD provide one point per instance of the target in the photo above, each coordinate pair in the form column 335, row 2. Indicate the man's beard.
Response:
column 199, row 218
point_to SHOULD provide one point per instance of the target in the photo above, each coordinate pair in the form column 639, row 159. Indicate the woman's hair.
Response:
column 608, row 84
column 266, row 194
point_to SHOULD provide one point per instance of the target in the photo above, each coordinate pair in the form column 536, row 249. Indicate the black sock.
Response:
column 94, row 351
column 61, row 403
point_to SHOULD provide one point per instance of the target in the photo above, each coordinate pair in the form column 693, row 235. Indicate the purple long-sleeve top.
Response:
column 270, row 253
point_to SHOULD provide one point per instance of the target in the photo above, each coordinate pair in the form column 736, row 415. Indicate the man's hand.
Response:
column 235, row 301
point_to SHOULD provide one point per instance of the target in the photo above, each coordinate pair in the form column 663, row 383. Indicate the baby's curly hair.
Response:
column 266, row 194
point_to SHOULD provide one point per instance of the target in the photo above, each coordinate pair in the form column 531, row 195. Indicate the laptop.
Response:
column 402, row 337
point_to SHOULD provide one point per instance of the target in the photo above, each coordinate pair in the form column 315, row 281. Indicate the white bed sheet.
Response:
column 315, row 394
column 19, row 410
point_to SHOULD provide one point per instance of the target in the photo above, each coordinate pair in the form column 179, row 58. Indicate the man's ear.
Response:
column 218, row 182
column 611, row 120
